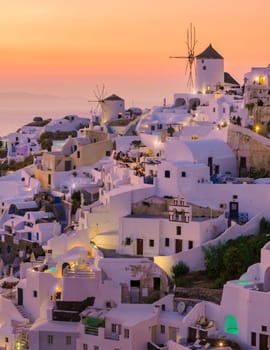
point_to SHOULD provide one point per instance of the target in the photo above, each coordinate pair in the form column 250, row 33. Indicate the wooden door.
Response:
column 139, row 246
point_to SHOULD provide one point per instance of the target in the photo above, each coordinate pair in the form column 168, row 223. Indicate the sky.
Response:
column 66, row 48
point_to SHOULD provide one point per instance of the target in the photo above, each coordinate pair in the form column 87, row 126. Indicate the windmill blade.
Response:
column 103, row 92
column 178, row 56
column 187, row 65
column 190, row 43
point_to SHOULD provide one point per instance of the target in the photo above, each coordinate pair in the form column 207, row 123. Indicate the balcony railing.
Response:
column 179, row 217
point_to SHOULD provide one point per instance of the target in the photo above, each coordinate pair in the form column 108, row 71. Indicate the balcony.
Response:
column 179, row 216
column 92, row 325
column 153, row 346
column 70, row 310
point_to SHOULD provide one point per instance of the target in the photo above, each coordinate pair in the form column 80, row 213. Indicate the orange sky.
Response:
column 67, row 47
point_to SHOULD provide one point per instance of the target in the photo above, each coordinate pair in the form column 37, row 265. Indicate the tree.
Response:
column 178, row 271
column 213, row 258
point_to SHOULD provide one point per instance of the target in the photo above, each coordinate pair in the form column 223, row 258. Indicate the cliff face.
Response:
column 252, row 151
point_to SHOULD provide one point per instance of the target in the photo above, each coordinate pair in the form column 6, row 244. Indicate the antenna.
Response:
column 191, row 43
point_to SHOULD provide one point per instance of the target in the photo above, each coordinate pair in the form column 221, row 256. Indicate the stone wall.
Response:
column 251, row 146
column 199, row 294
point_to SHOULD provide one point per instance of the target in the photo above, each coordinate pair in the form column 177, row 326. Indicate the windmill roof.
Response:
column 228, row 79
column 113, row 97
column 210, row 52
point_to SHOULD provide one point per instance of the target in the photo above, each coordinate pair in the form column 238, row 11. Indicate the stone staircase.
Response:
column 21, row 329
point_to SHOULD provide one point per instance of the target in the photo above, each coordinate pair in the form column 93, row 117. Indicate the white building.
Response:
column 173, row 232
column 209, row 70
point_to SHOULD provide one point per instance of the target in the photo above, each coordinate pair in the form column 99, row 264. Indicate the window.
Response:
column 167, row 173
column 151, row 243
column 190, row 244
column 183, row 174
column 162, row 328
column 78, row 154
column 264, row 329
column 126, row 333
column 6, row 339
column 114, row 328
column 178, row 230
column 128, row 241
column 253, row 339
column 214, row 109
column 85, row 347
column 9, row 249
column 224, row 110
column 167, row 242
column 68, row 340
column 204, row 67
column 50, row 339
column 35, row 294
column 96, row 347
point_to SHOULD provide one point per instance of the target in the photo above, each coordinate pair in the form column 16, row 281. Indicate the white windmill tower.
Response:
column 111, row 107
column 209, row 70
column 208, row 66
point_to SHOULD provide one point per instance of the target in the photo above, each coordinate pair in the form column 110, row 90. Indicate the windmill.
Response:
column 191, row 43
column 99, row 94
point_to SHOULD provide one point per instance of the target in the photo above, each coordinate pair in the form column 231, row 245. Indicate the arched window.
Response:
column 230, row 324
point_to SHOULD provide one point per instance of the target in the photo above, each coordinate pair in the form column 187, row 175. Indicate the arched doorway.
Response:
column 231, row 324
column 65, row 265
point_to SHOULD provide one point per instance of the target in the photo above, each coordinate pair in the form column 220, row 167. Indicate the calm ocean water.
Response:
column 12, row 119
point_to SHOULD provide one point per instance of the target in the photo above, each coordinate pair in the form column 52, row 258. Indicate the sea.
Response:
column 18, row 109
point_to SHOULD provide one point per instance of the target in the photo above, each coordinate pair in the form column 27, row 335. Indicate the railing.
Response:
column 80, row 273
column 179, row 218
column 112, row 336
column 153, row 346
column 91, row 330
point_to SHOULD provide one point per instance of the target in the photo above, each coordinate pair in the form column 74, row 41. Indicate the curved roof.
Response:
column 209, row 53
column 113, row 97
column 198, row 150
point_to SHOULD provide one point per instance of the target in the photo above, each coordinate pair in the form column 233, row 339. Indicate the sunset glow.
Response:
column 67, row 47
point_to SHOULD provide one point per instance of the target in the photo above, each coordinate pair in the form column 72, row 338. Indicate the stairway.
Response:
column 21, row 329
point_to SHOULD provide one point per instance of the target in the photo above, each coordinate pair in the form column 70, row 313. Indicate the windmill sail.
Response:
column 190, row 57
